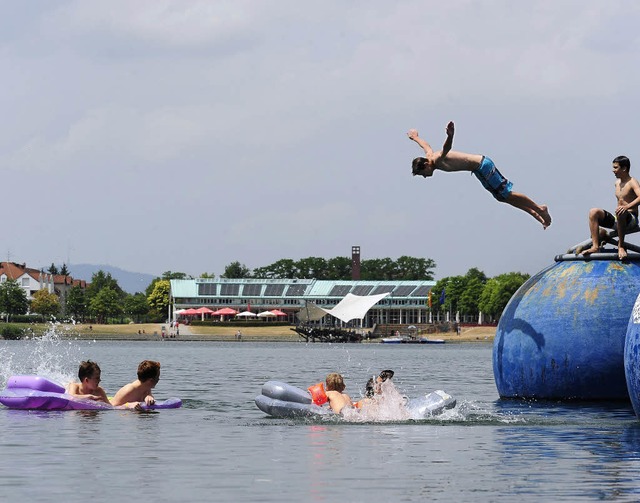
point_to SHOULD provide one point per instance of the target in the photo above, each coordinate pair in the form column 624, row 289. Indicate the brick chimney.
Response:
column 355, row 263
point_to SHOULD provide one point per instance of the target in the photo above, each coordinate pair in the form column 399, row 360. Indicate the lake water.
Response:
column 220, row 447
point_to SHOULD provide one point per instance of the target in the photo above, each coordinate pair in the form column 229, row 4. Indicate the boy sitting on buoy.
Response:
column 626, row 217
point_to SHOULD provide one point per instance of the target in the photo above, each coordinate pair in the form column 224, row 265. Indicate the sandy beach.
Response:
column 150, row 331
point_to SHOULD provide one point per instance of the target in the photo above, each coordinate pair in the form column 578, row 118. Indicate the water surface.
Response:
column 220, row 447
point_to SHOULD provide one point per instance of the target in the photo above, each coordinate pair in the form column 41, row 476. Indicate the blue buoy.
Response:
column 632, row 356
column 562, row 334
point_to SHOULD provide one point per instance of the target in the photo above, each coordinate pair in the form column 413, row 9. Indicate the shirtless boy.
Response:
column 89, row 385
column 481, row 166
column 335, row 396
column 140, row 389
column 626, row 218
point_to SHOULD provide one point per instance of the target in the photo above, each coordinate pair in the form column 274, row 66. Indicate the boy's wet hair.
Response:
column 369, row 390
column 88, row 369
column 335, row 383
column 624, row 162
column 418, row 164
column 148, row 369
column 386, row 374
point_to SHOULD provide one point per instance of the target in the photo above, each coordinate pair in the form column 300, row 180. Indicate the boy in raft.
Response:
column 374, row 387
column 140, row 389
column 626, row 217
column 89, row 385
column 335, row 396
column 485, row 170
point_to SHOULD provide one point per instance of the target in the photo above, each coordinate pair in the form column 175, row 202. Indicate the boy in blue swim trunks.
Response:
column 626, row 218
column 482, row 167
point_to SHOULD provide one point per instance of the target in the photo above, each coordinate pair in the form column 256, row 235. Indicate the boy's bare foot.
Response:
column 622, row 254
column 593, row 249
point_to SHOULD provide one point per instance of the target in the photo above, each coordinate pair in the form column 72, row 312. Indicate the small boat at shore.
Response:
column 411, row 340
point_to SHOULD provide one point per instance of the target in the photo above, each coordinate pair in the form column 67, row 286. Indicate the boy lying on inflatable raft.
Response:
column 381, row 402
column 32, row 392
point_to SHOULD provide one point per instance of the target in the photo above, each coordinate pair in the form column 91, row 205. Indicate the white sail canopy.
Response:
column 350, row 308
column 355, row 306
column 311, row 312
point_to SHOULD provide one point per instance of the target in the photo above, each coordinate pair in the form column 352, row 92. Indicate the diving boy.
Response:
column 335, row 396
column 89, row 385
column 140, row 389
column 626, row 217
column 481, row 166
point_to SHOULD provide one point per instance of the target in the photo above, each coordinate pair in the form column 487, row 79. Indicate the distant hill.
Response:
column 130, row 282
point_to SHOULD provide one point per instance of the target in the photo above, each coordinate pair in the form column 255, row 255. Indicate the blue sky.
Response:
column 184, row 135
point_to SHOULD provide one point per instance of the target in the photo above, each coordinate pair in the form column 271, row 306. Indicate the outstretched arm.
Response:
column 448, row 143
column 413, row 135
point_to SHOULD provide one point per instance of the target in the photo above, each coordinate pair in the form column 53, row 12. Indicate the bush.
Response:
column 28, row 318
column 11, row 332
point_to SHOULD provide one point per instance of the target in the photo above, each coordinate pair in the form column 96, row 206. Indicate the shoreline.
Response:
column 153, row 331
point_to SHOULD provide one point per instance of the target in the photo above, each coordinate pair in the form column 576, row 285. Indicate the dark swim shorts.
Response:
column 609, row 220
column 492, row 180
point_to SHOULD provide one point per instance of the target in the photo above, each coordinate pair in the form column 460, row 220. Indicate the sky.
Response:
column 162, row 135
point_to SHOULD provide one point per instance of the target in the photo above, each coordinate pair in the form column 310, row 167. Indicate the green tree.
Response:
column 283, row 268
column 175, row 275
column 498, row 291
column 45, row 303
column 468, row 302
column 52, row 269
column 436, row 295
column 454, row 290
column 378, row 269
column 136, row 306
column 412, row 268
column 64, row 271
column 167, row 275
column 106, row 304
column 339, row 268
column 76, row 303
column 13, row 299
column 158, row 299
column 209, row 275
column 312, row 268
column 101, row 280
column 236, row 270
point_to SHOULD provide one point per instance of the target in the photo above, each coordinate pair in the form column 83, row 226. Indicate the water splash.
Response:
column 388, row 404
column 53, row 355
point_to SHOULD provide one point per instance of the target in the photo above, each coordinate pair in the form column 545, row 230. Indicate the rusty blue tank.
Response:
column 632, row 357
column 562, row 334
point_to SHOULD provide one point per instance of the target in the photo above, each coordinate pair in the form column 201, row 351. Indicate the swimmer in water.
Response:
column 335, row 396
column 140, row 389
column 89, row 385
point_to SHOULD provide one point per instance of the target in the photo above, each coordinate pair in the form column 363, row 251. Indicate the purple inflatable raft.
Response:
column 31, row 392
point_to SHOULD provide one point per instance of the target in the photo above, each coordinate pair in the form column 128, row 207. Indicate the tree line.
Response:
column 474, row 293
column 104, row 300
column 338, row 268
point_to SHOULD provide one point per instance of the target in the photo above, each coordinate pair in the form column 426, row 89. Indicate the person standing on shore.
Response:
column 481, row 166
